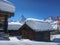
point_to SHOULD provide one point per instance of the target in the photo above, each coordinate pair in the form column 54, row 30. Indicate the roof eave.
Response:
column 9, row 14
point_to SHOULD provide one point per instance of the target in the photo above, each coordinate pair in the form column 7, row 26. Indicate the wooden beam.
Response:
column 4, row 13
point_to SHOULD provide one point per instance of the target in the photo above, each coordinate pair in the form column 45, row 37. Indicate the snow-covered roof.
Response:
column 38, row 25
column 6, row 6
column 14, row 25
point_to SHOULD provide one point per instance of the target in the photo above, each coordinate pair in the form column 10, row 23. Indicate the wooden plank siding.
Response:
column 4, row 20
column 13, row 32
column 27, row 34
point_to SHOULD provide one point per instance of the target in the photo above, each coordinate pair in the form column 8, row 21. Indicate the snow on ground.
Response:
column 55, row 38
column 15, row 41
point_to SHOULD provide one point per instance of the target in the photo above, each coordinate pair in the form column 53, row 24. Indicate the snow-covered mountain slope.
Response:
column 6, row 6
column 38, row 25
column 14, row 25
column 52, row 18
column 49, row 19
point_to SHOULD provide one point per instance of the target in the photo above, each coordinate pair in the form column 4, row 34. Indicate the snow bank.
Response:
column 38, row 25
column 15, row 41
column 14, row 25
column 6, row 6
column 29, row 42
column 55, row 38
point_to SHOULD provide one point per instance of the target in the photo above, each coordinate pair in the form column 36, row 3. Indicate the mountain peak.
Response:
column 22, row 19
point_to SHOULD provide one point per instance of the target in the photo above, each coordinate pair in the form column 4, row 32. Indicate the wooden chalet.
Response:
column 6, row 11
column 36, row 30
column 13, row 28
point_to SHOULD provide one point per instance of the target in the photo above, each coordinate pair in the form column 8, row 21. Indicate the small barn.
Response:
column 13, row 28
column 34, row 29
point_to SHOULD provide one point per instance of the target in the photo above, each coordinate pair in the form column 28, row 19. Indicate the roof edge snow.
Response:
column 7, row 6
column 38, row 25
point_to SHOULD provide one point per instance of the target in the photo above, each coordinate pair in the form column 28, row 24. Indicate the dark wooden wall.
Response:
column 6, row 15
column 42, row 36
column 28, row 33
column 38, row 36
column 13, row 32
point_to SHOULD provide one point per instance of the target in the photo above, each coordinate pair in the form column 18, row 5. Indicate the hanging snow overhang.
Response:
column 6, row 8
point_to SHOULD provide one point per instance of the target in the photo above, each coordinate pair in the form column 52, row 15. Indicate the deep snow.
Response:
column 15, row 41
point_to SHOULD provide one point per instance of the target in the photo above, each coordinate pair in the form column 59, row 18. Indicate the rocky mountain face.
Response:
column 22, row 19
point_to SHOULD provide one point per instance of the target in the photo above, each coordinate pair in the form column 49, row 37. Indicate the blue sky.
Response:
column 38, row 9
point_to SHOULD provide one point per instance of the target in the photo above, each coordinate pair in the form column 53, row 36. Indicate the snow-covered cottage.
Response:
column 6, row 11
column 34, row 29
column 13, row 28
